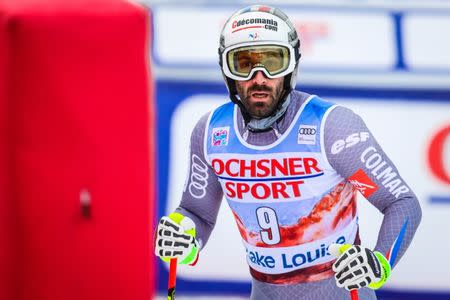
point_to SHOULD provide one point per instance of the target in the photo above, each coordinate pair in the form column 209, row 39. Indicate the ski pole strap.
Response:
column 385, row 271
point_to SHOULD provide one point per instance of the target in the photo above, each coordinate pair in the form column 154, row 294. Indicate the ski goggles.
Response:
column 242, row 61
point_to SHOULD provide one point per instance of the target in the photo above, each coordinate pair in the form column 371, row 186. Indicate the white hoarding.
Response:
column 426, row 41
column 346, row 39
column 340, row 39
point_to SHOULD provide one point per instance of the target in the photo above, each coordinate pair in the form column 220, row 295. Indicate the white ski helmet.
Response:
column 259, row 38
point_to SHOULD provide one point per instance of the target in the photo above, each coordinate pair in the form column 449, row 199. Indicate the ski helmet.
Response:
column 259, row 38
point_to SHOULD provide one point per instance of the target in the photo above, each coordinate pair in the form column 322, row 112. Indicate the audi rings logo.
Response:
column 199, row 177
column 307, row 131
column 307, row 134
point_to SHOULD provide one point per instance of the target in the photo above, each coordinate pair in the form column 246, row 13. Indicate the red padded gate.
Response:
column 76, row 125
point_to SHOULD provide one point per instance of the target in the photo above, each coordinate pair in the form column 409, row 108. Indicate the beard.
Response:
column 263, row 108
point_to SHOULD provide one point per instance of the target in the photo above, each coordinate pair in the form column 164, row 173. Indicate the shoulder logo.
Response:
column 350, row 141
column 307, row 134
column 220, row 136
column 363, row 183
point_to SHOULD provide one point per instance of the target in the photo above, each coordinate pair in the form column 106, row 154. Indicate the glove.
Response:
column 175, row 238
column 357, row 267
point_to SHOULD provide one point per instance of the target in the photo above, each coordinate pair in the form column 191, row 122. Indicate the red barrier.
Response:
column 79, row 116
column 6, row 208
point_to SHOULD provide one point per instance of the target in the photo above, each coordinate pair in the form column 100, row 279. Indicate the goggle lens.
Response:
column 273, row 58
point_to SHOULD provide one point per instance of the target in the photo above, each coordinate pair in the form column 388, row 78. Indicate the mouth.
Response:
column 260, row 95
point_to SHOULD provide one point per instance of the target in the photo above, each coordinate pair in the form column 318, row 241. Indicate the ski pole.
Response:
column 172, row 279
column 354, row 294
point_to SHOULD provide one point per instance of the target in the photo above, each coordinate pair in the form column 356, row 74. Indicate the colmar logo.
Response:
column 382, row 170
column 363, row 183
column 220, row 136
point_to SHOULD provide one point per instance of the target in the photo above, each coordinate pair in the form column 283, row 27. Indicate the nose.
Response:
column 259, row 77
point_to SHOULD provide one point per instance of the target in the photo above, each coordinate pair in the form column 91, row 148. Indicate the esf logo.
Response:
column 436, row 154
column 350, row 141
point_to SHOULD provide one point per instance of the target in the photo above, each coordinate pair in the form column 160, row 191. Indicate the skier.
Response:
column 289, row 165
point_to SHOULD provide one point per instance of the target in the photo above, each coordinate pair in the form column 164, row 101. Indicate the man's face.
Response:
column 260, row 95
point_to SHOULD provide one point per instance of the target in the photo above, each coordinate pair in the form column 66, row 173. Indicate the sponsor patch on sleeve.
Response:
column 362, row 182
